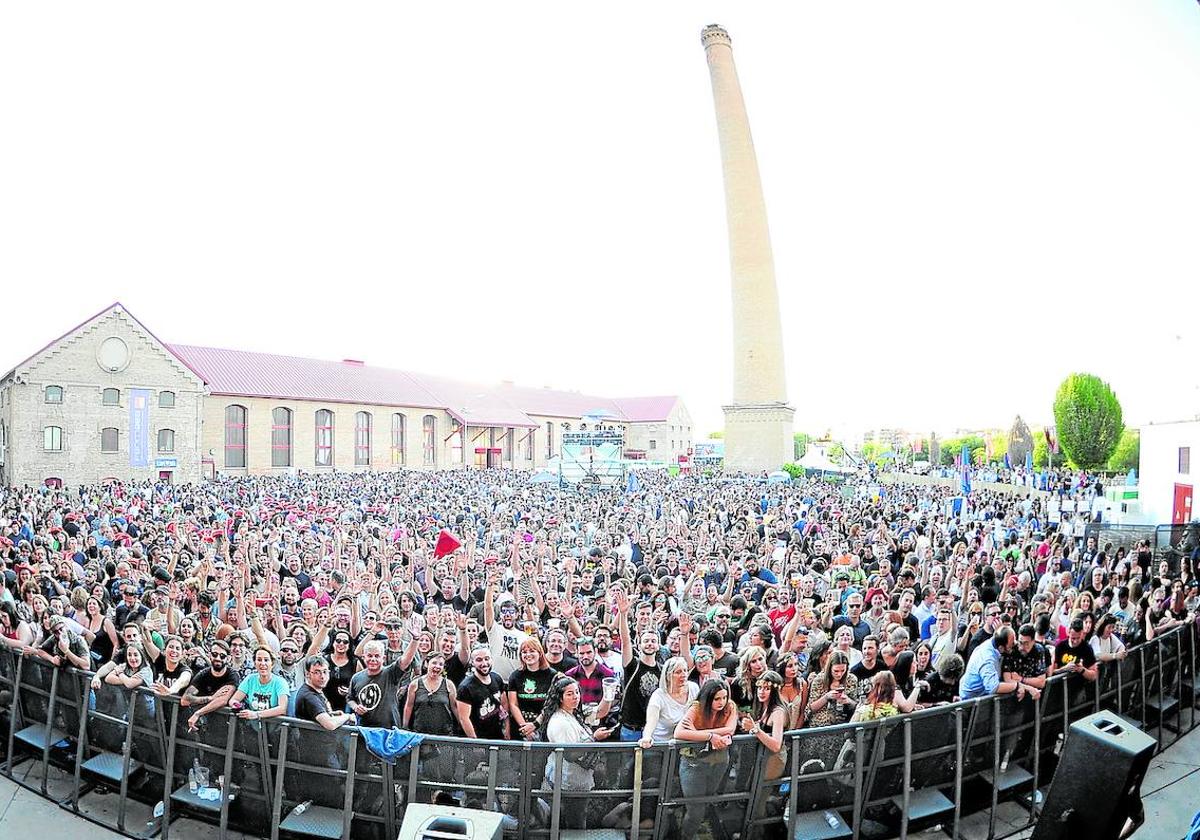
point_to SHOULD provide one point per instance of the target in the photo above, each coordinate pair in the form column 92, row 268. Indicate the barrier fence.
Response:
column 935, row 766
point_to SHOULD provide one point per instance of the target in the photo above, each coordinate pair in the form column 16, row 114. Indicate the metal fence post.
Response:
column 635, row 816
column 958, row 770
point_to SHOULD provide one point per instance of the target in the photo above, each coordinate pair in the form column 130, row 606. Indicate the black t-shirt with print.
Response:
column 379, row 695
column 641, row 681
column 487, row 705
column 1065, row 654
column 531, row 688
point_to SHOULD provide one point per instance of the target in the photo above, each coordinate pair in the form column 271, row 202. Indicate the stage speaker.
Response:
column 443, row 822
column 1098, row 783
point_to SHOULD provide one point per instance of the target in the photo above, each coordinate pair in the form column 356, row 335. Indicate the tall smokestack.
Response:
column 758, row 425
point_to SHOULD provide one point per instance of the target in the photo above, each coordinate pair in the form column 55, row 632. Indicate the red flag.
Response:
column 447, row 543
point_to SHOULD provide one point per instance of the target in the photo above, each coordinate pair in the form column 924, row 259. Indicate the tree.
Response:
column 1020, row 443
column 800, row 445
column 1041, row 450
column 1128, row 452
column 1088, row 416
column 718, row 435
column 835, row 452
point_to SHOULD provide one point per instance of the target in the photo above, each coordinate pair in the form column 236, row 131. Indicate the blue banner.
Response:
column 139, row 427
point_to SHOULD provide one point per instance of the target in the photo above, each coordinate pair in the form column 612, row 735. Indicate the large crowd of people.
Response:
column 477, row 604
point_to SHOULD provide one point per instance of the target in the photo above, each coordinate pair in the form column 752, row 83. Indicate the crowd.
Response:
column 476, row 604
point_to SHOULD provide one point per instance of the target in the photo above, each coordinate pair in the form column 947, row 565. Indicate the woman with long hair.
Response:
column 669, row 702
column 562, row 722
column 768, row 722
column 14, row 631
column 342, row 666
column 430, row 701
column 708, row 727
column 833, row 693
column 793, row 690
column 104, row 632
column 752, row 664
column 172, row 674
column 943, row 682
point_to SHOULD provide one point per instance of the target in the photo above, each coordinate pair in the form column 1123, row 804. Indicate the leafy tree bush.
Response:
column 1127, row 455
column 1088, row 416
column 794, row 470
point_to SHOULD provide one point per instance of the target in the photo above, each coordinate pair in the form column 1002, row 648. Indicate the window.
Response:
column 109, row 440
column 166, row 399
column 429, row 450
column 166, row 440
column 398, row 439
column 54, row 394
column 111, row 396
column 653, row 444
column 549, row 439
column 52, row 439
column 324, row 438
column 362, row 439
column 281, row 437
column 235, row 437
column 508, row 443
column 1185, row 460
column 529, row 449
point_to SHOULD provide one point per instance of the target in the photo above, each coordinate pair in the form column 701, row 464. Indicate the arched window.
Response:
column 110, row 440
column 281, row 437
column 235, row 437
column 429, row 450
column 166, row 399
column 166, row 440
column 54, row 394
column 323, row 457
column 111, row 396
column 398, row 439
column 362, row 439
column 52, row 439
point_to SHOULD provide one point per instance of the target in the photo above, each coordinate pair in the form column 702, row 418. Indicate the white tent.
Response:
column 815, row 460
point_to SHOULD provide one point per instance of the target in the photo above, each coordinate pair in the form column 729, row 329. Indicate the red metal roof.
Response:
column 242, row 373
column 646, row 409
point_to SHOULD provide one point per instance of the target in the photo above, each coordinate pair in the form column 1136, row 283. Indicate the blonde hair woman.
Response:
column 669, row 702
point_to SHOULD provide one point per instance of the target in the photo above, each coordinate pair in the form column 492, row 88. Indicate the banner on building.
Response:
column 139, row 427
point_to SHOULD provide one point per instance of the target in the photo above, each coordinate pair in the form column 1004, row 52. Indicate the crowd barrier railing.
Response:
column 934, row 766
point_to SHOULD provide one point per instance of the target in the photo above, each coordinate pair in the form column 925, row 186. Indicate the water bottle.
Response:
column 192, row 779
column 831, row 819
column 302, row 807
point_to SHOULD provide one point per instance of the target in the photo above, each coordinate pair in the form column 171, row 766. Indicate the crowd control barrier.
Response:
column 111, row 756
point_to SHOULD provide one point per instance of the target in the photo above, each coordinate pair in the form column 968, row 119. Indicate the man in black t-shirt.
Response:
column 481, row 699
column 311, row 702
column 374, row 691
column 871, row 663
column 211, row 686
column 724, row 662
column 1074, row 655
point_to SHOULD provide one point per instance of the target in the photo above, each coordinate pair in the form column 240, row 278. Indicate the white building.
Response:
column 1167, row 474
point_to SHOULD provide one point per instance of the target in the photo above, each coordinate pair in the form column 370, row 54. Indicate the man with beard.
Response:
column 289, row 665
column 590, row 674
column 611, row 659
column 481, row 699
column 212, row 687
column 1073, row 654
column 504, row 640
column 641, row 674
column 374, row 690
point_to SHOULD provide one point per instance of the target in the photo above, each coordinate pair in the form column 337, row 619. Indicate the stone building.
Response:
column 109, row 400
column 105, row 400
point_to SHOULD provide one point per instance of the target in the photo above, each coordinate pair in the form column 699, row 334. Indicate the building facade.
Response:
column 108, row 400
column 105, row 400
column 1167, row 472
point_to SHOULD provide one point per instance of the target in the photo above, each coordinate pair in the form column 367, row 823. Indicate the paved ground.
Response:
column 1171, row 793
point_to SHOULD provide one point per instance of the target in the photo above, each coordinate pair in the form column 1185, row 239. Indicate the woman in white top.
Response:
column 561, row 722
column 668, row 703
column 1107, row 644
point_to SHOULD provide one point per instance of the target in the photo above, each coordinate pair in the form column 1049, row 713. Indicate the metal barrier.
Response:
column 935, row 766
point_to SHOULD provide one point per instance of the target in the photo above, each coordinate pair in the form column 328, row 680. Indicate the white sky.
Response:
column 967, row 201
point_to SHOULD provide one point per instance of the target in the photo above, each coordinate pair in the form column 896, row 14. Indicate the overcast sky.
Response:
column 967, row 201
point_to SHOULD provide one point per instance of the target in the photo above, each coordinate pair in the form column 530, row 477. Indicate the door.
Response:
column 164, row 476
column 1181, row 513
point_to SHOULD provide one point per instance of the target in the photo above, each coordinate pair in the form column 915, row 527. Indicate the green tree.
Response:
column 1041, row 450
column 800, row 444
column 1128, row 452
column 979, row 456
column 1088, row 416
column 836, row 452
column 718, row 435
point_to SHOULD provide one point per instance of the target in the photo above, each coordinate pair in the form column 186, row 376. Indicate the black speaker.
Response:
column 1098, row 783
